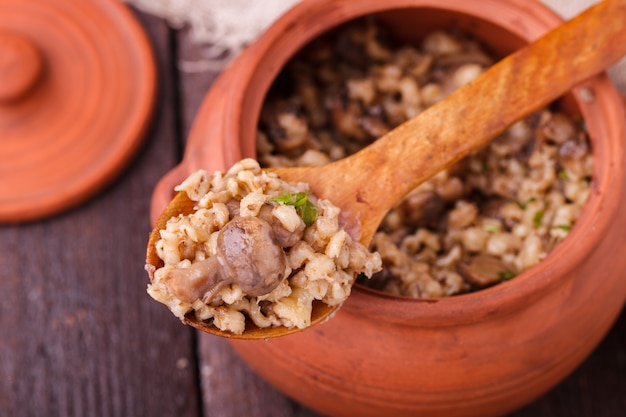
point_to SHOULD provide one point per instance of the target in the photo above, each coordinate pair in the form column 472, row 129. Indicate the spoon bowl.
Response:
column 181, row 204
column 512, row 89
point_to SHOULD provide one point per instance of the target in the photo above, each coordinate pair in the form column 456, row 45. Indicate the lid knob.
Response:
column 20, row 66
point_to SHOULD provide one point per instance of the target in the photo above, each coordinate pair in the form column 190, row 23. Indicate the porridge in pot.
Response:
column 482, row 221
column 255, row 246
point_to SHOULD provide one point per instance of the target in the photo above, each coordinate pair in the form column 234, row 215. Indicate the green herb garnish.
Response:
column 562, row 174
column 524, row 205
column 300, row 201
column 491, row 228
column 506, row 275
column 565, row 227
column 538, row 217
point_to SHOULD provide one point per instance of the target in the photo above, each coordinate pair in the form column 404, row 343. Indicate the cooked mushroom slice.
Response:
column 201, row 280
column 423, row 207
column 572, row 155
column 251, row 255
column 284, row 237
column 248, row 254
column 484, row 270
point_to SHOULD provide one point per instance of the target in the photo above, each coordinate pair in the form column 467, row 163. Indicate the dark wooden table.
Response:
column 80, row 336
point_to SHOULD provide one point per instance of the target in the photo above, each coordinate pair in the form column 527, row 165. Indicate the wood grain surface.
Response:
column 79, row 336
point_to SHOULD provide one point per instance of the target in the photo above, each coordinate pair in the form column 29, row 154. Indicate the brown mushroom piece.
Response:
column 374, row 126
column 248, row 255
column 483, row 270
column 572, row 153
column 285, row 128
column 284, row 237
column 251, row 254
column 345, row 117
column 423, row 208
column 202, row 280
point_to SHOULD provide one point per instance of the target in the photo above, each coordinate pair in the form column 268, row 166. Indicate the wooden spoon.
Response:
column 367, row 184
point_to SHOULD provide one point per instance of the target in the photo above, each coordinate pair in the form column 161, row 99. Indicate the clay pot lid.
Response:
column 77, row 85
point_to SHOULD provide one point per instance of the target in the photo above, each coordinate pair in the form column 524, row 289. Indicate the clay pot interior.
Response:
column 498, row 42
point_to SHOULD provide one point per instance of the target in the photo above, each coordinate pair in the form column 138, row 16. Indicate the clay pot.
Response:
column 480, row 354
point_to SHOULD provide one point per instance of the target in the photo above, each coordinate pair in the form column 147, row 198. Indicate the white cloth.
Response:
column 225, row 26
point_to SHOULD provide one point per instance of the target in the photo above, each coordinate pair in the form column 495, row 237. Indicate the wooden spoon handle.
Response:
column 382, row 173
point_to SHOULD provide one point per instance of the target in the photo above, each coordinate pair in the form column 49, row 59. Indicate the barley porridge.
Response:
column 484, row 220
column 255, row 246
